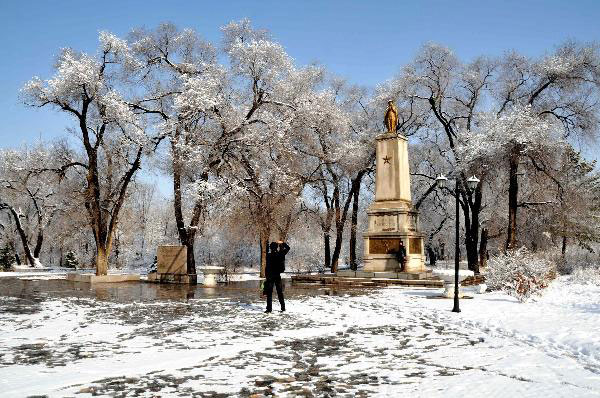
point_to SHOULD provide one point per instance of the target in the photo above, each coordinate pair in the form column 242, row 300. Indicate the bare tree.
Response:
column 113, row 137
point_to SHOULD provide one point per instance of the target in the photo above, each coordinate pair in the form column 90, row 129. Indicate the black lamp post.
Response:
column 471, row 185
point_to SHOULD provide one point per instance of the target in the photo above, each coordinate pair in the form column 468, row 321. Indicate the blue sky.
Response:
column 364, row 41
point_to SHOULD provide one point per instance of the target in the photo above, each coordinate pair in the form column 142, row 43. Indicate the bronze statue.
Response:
column 391, row 117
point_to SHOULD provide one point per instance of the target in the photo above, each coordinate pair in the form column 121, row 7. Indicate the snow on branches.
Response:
column 262, row 61
column 201, row 93
column 74, row 72
column 496, row 135
column 91, row 89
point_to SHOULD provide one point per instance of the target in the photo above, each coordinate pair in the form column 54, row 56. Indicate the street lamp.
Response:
column 472, row 183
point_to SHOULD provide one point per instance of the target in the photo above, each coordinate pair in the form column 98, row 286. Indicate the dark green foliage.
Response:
column 70, row 260
column 7, row 257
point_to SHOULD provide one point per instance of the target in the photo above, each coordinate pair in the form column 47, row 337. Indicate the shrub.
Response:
column 70, row 260
column 7, row 256
column 577, row 258
column 588, row 275
column 520, row 273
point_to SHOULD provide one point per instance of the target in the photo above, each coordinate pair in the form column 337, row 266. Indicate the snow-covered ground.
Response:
column 387, row 342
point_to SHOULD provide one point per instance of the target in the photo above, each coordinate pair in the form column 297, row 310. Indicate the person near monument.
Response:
column 401, row 256
column 431, row 254
column 275, row 266
column 391, row 117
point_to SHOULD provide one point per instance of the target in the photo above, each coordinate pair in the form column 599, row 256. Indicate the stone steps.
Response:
column 385, row 275
column 344, row 281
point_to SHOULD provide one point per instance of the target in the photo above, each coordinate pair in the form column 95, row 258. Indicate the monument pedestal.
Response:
column 391, row 216
column 172, row 266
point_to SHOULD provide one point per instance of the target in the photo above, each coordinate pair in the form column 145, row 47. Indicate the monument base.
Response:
column 427, row 274
column 380, row 250
column 172, row 278
column 388, row 263
column 361, row 279
column 392, row 217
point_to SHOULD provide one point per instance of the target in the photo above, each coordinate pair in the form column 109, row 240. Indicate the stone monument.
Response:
column 172, row 266
column 391, row 216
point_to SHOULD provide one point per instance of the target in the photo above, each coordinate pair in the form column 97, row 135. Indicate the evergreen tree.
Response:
column 70, row 260
column 6, row 257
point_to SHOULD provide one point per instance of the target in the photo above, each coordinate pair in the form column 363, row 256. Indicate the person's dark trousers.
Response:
column 269, row 291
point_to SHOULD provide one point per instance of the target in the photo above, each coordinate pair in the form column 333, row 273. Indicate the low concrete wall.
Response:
column 111, row 278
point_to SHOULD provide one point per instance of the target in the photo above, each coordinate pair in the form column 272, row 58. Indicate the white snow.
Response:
column 411, row 343
column 49, row 273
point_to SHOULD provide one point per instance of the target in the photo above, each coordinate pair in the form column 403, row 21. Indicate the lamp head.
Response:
column 472, row 183
column 441, row 181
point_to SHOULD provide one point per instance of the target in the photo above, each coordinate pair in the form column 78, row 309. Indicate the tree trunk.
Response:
column 483, row 249
column 513, row 192
column 327, row 242
column 337, row 249
column 340, row 219
column 191, row 239
column 117, row 251
column 264, row 242
column 563, row 249
column 354, row 222
column 471, row 207
column 101, row 260
column 38, row 243
column 471, row 239
column 186, row 236
column 182, row 231
column 191, row 256
column 28, row 255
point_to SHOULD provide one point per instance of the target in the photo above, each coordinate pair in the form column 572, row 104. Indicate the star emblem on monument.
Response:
column 387, row 159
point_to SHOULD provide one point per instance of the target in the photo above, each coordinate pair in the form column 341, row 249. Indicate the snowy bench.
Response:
column 448, row 275
column 210, row 274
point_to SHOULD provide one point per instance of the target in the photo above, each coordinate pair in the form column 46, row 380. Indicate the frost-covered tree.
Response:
column 337, row 140
column 224, row 117
column 504, row 139
column 171, row 58
column 30, row 197
column 571, row 187
column 443, row 96
column 539, row 105
column 208, row 110
column 554, row 97
column 91, row 89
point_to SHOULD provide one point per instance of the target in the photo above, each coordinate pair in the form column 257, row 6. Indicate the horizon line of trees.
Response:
column 257, row 147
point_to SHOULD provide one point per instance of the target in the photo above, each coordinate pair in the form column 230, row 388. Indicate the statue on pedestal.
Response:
column 393, row 240
column 391, row 117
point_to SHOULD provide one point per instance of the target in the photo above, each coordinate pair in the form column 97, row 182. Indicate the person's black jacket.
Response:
column 401, row 254
column 276, row 261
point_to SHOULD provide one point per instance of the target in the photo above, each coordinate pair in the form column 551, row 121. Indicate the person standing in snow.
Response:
column 275, row 266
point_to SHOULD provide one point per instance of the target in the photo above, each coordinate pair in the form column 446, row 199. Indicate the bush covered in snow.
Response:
column 588, row 275
column 520, row 273
column 581, row 265
column 573, row 259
